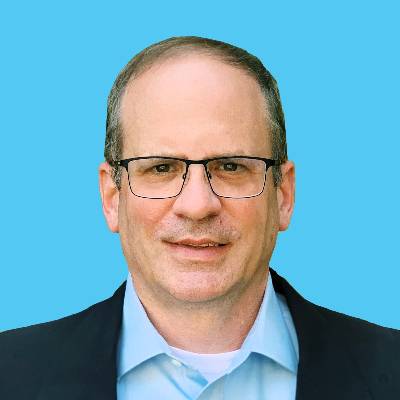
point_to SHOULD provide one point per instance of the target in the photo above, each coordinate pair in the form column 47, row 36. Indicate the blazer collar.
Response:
column 89, row 372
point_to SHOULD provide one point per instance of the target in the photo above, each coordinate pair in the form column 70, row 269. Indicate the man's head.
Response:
column 196, row 98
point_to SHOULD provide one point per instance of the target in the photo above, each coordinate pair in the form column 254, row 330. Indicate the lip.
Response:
column 197, row 242
column 182, row 250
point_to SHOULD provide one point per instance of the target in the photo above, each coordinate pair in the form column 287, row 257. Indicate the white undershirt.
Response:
column 210, row 366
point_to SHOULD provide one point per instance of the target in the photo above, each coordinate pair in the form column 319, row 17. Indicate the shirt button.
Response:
column 176, row 362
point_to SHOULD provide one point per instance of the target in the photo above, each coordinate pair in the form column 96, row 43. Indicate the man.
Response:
column 198, row 185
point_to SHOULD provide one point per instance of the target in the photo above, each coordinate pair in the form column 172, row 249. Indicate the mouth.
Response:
column 202, row 252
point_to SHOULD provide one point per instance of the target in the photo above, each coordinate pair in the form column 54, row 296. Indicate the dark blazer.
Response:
column 74, row 358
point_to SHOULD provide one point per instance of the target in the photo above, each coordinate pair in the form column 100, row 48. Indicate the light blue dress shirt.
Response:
column 265, row 367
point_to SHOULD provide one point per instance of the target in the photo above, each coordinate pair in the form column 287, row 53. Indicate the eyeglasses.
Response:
column 233, row 177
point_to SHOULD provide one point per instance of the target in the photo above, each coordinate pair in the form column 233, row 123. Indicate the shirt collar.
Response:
column 270, row 334
column 139, row 340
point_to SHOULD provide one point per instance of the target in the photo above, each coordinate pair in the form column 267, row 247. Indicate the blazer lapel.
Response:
column 88, row 357
column 326, row 368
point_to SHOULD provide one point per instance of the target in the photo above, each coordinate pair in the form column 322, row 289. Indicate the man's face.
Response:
column 195, row 107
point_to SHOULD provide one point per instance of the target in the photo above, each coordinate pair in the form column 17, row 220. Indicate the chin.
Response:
column 197, row 289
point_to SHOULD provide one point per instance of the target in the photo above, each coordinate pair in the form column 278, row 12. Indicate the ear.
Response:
column 109, row 196
column 285, row 193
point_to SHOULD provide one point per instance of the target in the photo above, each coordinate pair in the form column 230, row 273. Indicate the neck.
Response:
column 210, row 327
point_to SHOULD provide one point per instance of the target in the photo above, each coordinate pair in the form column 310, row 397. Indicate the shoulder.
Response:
column 28, row 354
column 349, row 325
column 332, row 344
column 30, row 340
column 360, row 348
column 370, row 341
column 308, row 314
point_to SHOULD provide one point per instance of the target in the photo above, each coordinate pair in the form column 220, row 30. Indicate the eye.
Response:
column 162, row 168
column 230, row 166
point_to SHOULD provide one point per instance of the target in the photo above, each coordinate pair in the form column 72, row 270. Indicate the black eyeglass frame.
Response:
column 268, row 163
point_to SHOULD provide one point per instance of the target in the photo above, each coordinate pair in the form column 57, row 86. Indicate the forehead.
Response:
column 194, row 106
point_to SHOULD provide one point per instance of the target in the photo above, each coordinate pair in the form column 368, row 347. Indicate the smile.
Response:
column 198, row 252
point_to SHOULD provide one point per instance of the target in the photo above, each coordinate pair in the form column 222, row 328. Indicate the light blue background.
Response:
column 337, row 64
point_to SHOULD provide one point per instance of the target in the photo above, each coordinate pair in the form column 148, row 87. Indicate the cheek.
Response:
column 256, row 219
column 144, row 215
column 139, row 219
column 250, row 215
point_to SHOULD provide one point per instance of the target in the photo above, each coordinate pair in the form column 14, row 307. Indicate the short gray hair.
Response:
column 222, row 51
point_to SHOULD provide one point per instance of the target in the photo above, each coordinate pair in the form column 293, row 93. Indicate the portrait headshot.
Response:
column 203, row 259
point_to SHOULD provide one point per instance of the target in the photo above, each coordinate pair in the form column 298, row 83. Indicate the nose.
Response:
column 196, row 200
